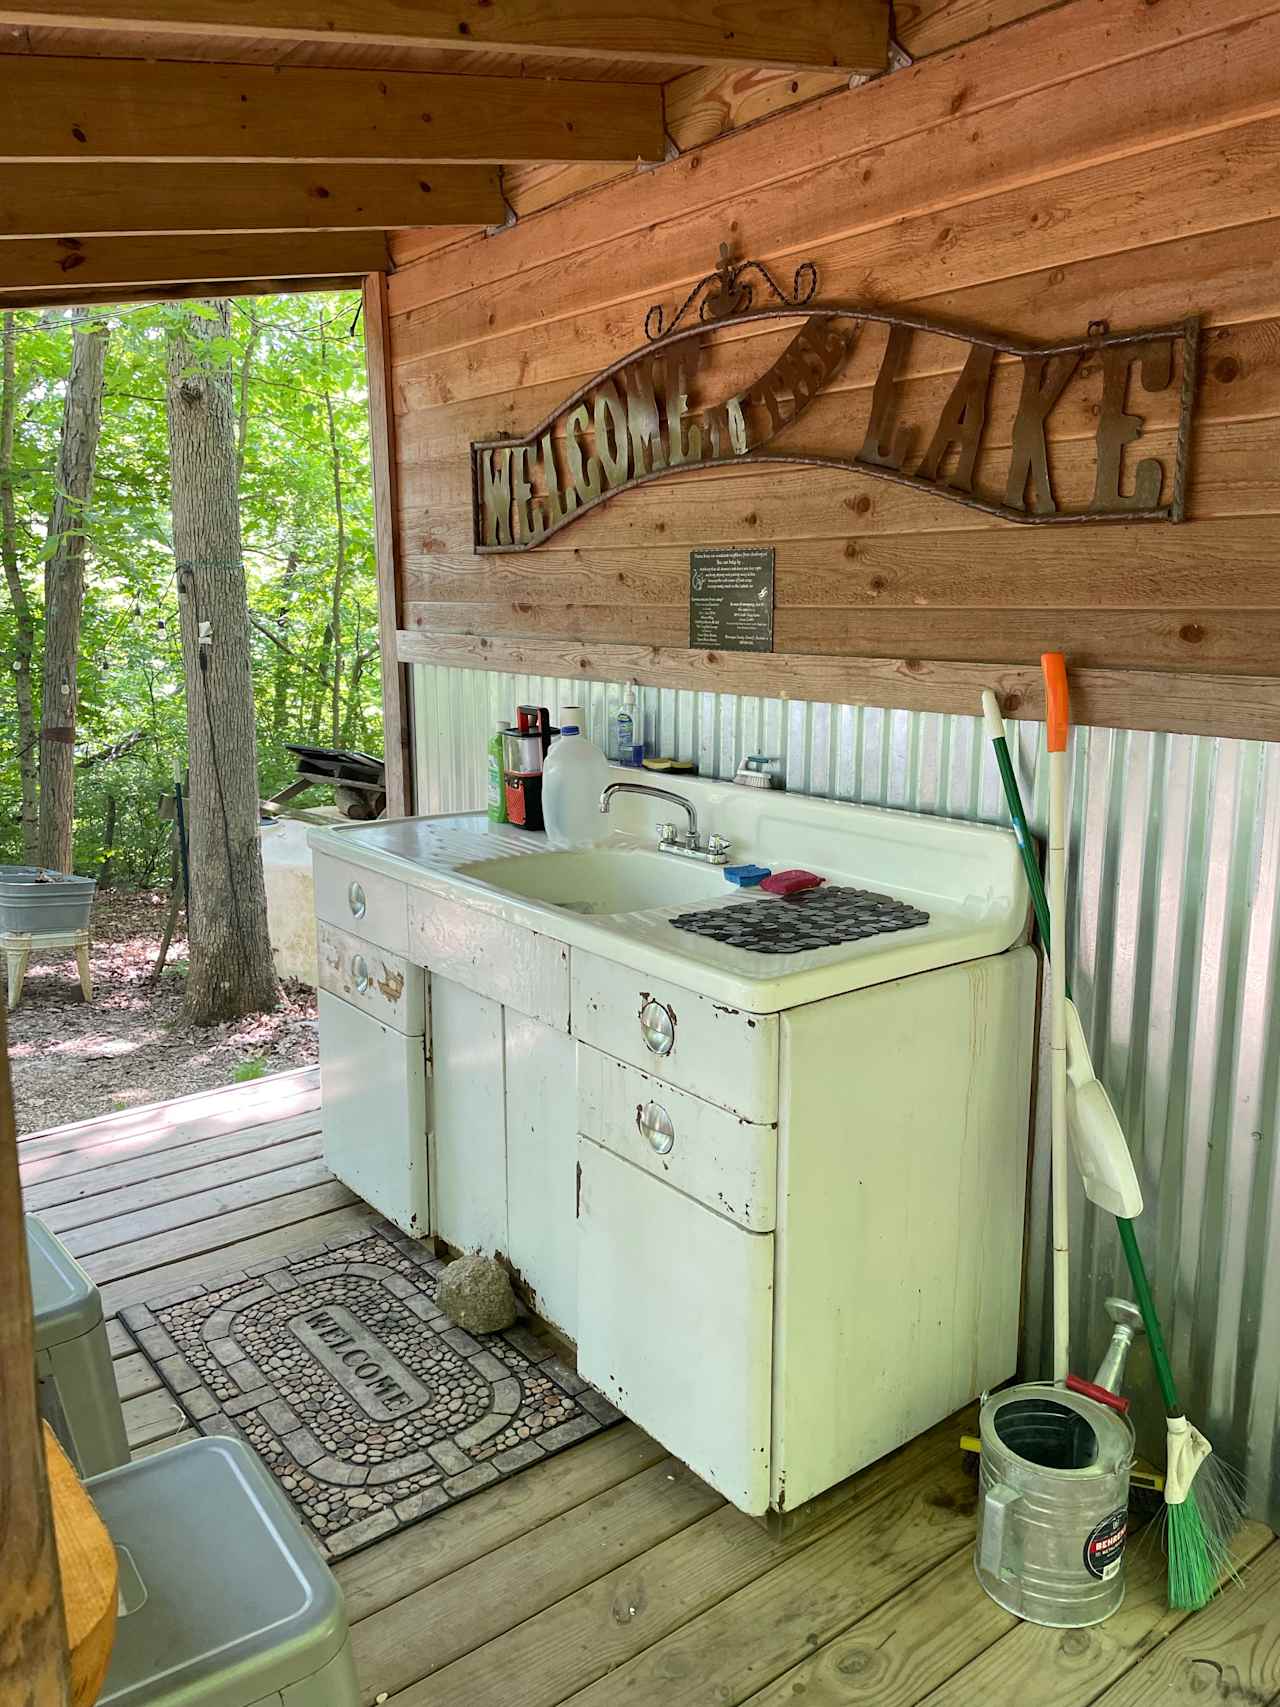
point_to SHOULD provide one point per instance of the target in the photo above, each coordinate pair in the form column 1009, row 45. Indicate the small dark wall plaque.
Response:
column 731, row 598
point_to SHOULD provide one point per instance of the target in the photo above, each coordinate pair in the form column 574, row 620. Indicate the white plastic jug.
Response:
column 573, row 777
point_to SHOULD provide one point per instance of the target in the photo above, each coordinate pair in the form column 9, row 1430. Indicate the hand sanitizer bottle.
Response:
column 624, row 729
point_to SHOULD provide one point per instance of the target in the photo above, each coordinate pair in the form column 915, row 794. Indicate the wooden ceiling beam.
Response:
column 112, row 296
column 60, row 109
column 51, row 265
column 113, row 199
column 848, row 35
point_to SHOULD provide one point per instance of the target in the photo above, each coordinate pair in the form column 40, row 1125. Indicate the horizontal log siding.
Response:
column 1105, row 159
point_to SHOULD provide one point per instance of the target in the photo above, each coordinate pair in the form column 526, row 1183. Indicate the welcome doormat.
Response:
column 370, row 1408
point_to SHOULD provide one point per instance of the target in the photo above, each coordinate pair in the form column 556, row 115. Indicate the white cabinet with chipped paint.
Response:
column 541, row 1126
column 502, row 1140
column 776, row 1198
column 781, row 1303
column 373, row 1074
column 467, row 1119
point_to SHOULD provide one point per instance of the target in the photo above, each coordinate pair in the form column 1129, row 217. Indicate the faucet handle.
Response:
column 666, row 832
column 717, row 844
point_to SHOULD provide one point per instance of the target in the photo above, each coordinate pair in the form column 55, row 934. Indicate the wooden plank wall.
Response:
column 1104, row 159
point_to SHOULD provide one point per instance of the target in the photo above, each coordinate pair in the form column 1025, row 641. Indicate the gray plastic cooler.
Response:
column 225, row 1599
column 77, row 1386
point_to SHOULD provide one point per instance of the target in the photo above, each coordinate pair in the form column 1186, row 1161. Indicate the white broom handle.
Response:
column 1058, row 1065
column 1058, row 725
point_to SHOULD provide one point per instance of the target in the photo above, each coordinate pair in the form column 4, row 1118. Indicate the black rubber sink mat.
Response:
column 818, row 918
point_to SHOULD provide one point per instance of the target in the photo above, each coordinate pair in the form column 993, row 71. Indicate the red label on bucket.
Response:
column 1104, row 1550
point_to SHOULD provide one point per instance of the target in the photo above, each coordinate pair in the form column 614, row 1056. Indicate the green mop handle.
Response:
column 1035, row 882
column 1040, row 905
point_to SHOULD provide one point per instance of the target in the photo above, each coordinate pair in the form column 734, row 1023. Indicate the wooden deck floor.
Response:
column 611, row 1575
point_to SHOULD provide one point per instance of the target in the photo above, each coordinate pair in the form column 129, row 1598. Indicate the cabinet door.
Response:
column 542, row 1150
column 468, row 1129
column 675, row 1321
column 374, row 1111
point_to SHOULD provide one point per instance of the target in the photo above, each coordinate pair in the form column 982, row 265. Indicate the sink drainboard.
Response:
column 818, row 918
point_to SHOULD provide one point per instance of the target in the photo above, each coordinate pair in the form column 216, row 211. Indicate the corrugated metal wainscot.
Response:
column 1175, row 962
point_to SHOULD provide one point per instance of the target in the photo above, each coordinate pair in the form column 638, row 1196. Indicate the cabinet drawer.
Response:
column 513, row 965
column 372, row 979
column 675, row 1322
column 365, row 903
column 721, row 1054
column 728, row 1163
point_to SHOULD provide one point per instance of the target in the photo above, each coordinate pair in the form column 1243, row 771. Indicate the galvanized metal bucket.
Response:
column 1053, row 1508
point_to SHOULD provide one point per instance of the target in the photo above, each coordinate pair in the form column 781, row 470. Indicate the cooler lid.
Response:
column 229, row 1599
column 65, row 1302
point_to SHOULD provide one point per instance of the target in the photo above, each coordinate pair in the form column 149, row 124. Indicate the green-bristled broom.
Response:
column 1203, row 1504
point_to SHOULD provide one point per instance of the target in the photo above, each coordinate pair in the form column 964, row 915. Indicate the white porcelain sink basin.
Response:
column 604, row 880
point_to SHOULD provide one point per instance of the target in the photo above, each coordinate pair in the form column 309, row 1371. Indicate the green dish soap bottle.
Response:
column 497, row 802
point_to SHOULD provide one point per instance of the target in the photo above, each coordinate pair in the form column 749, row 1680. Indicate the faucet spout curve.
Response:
column 615, row 788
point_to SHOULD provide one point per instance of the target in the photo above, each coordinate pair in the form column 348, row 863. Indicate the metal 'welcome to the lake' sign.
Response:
column 645, row 418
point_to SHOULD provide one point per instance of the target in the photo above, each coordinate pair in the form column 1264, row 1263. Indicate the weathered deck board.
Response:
column 299, row 1172
column 223, row 1260
column 57, row 1199
column 1064, row 1673
column 458, row 1536
column 593, row 1576
column 162, row 1125
column 483, row 1600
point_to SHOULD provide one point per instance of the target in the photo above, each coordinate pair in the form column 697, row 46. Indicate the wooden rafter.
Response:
column 77, row 110
column 112, row 295
column 53, row 265
column 851, row 35
column 40, row 199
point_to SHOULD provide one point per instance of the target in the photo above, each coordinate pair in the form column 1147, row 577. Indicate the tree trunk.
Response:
column 242, row 415
column 64, row 590
column 24, row 627
column 231, row 971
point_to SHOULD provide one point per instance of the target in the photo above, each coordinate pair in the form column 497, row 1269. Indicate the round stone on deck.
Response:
column 475, row 1293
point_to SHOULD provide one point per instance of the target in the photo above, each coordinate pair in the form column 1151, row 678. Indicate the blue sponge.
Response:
column 745, row 876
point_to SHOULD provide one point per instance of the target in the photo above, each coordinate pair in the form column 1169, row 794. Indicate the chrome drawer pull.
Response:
column 655, row 1123
column 658, row 1028
column 360, row 973
column 356, row 900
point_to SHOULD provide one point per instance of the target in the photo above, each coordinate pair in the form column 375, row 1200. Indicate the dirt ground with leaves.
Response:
column 73, row 1060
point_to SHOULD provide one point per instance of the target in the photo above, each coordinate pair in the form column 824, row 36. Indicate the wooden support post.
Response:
column 397, row 734
column 33, row 1633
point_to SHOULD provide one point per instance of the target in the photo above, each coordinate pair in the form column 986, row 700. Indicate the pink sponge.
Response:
column 791, row 882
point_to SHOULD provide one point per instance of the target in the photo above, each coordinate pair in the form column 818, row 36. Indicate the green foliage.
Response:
column 295, row 361
column 254, row 1067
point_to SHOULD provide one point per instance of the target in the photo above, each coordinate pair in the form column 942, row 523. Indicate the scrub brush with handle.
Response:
column 1203, row 1506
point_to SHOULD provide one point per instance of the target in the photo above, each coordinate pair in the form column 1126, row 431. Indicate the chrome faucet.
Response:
column 688, row 846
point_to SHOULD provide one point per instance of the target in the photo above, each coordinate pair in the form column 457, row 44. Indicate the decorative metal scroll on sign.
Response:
column 635, row 422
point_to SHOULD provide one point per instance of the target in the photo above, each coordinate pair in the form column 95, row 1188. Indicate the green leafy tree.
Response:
column 298, row 381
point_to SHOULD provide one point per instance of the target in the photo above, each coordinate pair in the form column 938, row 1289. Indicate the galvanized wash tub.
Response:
column 35, row 900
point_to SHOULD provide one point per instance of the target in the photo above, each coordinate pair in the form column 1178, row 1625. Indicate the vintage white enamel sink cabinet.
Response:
column 776, row 1200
